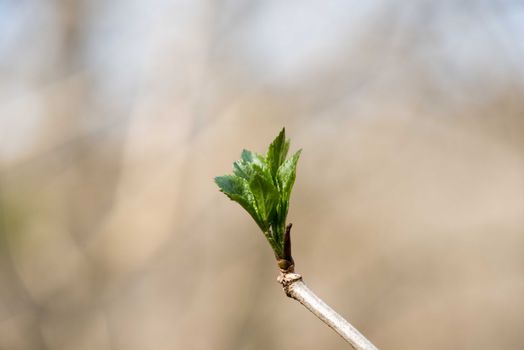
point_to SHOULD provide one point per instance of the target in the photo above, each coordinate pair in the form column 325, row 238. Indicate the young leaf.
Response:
column 243, row 169
column 277, row 152
column 262, row 186
column 253, row 158
column 237, row 189
column 287, row 174
column 266, row 196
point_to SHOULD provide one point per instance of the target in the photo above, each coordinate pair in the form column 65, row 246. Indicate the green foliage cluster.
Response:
column 262, row 186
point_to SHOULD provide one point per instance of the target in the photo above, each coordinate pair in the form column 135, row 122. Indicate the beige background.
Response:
column 408, row 208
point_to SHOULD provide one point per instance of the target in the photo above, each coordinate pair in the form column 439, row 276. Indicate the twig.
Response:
column 262, row 185
column 295, row 288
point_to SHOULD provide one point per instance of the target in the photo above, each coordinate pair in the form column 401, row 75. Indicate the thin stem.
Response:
column 295, row 288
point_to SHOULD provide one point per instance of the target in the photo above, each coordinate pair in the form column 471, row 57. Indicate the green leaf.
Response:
column 244, row 166
column 237, row 189
column 252, row 157
column 262, row 186
column 277, row 152
column 266, row 196
column 287, row 174
column 243, row 169
column 285, row 178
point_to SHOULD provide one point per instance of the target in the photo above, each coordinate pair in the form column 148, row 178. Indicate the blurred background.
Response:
column 408, row 208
